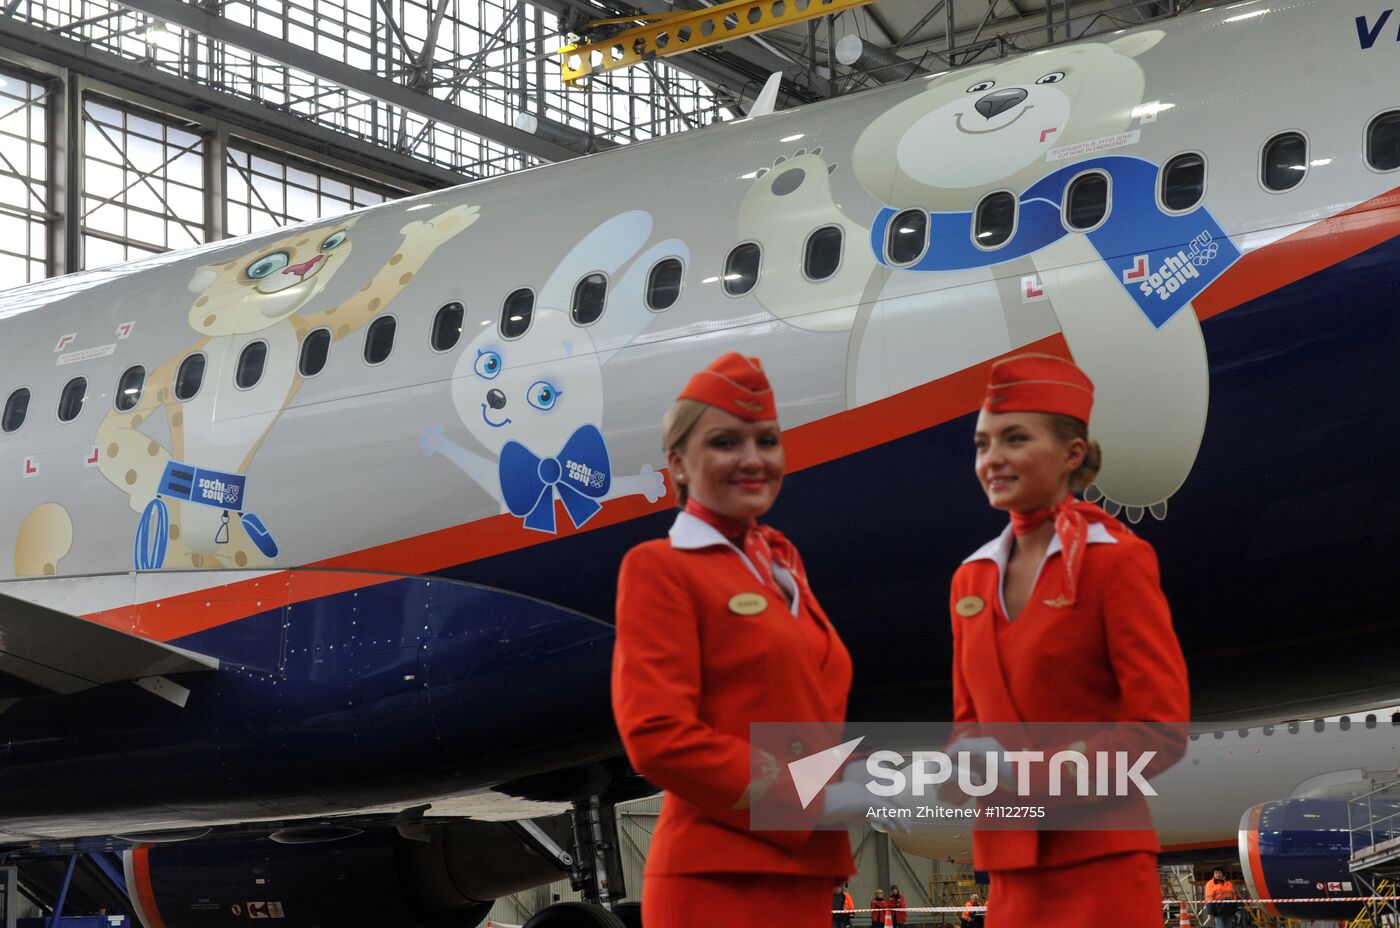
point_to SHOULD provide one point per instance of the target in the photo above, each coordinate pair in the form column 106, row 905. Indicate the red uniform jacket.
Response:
column 1112, row 657
column 690, row 675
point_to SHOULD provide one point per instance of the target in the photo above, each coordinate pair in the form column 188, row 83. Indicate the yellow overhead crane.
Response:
column 659, row 35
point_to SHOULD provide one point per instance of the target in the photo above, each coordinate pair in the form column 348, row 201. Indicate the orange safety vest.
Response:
column 1223, row 891
column 967, row 913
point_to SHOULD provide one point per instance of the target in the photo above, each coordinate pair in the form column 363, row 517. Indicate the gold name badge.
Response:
column 747, row 604
column 969, row 606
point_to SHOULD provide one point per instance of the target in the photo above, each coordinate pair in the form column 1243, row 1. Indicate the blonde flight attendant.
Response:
column 717, row 628
column 1062, row 619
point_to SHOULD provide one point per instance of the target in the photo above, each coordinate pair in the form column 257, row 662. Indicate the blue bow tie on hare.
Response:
column 1162, row 260
column 581, row 474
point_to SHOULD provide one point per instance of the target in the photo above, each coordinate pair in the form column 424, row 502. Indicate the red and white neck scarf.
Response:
column 1072, row 519
column 763, row 545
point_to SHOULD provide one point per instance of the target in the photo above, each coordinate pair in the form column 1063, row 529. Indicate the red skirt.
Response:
column 1121, row 890
column 703, row 900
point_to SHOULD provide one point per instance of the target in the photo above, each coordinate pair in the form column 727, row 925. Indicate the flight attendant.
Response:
column 717, row 628
column 1062, row 619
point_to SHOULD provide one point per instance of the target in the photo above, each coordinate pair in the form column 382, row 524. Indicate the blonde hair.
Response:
column 675, row 429
column 1067, row 429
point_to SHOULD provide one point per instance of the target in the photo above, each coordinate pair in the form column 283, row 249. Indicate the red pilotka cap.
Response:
column 1040, row 383
column 735, row 384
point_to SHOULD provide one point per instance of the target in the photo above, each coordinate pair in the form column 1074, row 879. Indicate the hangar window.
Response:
column 1383, row 141
column 741, row 268
column 906, row 237
column 1285, row 161
column 16, row 408
column 129, row 387
column 1183, row 182
column 590, row 295
column 996, row 220
column 70, row 401
column 189, row 377
column 447, row 326
column 379, row 339
column 822, row 256
column 1086, row 202
column 664, row 284
column 251, row 361
column 516, row 313
column 315, row 348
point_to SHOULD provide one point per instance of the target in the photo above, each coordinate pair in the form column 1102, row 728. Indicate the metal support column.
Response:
column 882, row 860
column 63, row 892
column 65, row 238
column 215, row 192
column 9, row 896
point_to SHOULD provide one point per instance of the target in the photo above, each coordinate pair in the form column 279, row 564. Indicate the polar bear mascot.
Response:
column 1115, row 274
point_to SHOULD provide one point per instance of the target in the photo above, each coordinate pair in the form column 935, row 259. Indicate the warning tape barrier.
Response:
column 944, row 909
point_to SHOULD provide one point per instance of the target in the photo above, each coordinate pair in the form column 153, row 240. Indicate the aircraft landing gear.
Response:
column 595, row 872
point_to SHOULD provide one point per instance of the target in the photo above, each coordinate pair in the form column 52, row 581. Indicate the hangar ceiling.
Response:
column 200, row 119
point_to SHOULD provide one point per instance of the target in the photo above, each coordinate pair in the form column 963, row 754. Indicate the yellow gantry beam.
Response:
column 672, row 33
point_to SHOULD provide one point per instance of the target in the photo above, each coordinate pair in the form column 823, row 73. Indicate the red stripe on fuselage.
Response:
column 1276, row 265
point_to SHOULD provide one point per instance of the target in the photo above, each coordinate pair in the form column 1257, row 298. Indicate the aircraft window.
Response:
column 251, row 361
column 1319, row 725
column 16, row 408
column 516, row 313
column 1383, row 141
column 741, row 268
column 996, row 219
column 664, row 284
column 590, row 296
column 315, row 348
column 906, row 237
column 1370, row 721
column 822, row 256
column 1183, row 182
column 447, row 326
column 129, row 387
column 189, row 377
column 1219, row 735
column 1086, row 203
column 1268, row 730
column 1346, row 723
column 379, row 339
column 1395, row 719
column 1244, row 732
column 1293, row 728
column 70, row 401
column 1285, row 161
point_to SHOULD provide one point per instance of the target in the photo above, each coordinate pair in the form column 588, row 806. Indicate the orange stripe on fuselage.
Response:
column 1286, row 261
column 1302, row 254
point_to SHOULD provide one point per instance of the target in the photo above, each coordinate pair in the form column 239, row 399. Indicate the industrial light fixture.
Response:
column 158, row 33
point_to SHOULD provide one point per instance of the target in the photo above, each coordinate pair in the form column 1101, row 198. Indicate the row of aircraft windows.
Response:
column 247, row 373
column 1318, row 725
column 1087, row 202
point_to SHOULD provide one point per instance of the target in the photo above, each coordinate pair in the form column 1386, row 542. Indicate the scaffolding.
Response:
column 1374, row 822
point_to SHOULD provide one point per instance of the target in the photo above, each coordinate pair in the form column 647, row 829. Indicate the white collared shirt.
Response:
column 689, row 533
column 998, row 551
